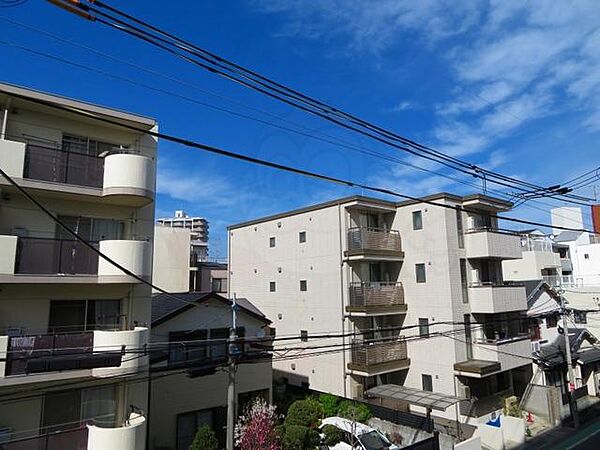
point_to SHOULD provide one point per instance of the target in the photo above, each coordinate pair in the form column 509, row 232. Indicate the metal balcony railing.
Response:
column 376, row 294
column 45, row 256
column 562, row 280
column 60, row 166
column 369, row 354
column 362, row 239
column 76, row 439
column 495, row 283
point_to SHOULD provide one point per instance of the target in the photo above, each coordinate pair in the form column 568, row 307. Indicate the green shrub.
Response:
column 333, row 435
column 330, row 404
column 205, row 439
column 358, row 412
column 307, row 413
column 298, row 437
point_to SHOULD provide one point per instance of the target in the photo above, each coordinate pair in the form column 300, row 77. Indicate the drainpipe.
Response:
column 4, row 120
column 341, row 232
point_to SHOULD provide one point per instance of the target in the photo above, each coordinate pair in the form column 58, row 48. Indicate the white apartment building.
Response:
column 72, row 325
column 199, row 233
column 540, row 259
column 371, row 266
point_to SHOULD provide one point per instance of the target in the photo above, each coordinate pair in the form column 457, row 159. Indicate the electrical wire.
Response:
column 256, row 161
column 259, row 83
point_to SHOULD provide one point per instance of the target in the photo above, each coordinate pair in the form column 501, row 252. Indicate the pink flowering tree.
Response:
column 255, row 429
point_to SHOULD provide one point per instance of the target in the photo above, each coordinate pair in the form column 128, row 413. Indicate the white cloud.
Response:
column 402, row 106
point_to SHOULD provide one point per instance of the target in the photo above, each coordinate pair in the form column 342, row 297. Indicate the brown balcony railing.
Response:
column 60, row 166
column 61, row 440
column 376, row 294
column 56, row 352
column 43, row 256
column 362, row 239
column 368, row 354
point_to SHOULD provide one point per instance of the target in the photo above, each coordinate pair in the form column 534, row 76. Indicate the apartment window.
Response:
column 67, row 316
column 219, row 284
column 272, row 286
column 427, row 382
column 420, row 273
column 303, row 285
column 417, row 219
column 464, row 284
column 302, row 237
column 189, row 345
column 272, row 241
column 423, row 327
column 580, row 316
column 586, row 256
column 304, row 335
column 188, row 424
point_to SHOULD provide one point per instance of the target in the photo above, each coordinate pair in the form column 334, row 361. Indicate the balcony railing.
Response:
column 562, row 280
column 495, row 283
column 376, row 294
column 60, row 440
column 44, row 256
column 363, row 239
column 60, row 166
column 56, row 352
column 370, row 354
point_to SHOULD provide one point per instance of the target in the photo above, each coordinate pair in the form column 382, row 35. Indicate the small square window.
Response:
column 417, row 218
column 304, row 335
column 272, row 286
column 303, row 285
column 423, row 327
column 272, row 241
column 302, row 237
column 586, row 256
column 551, row 321
column 420, row 273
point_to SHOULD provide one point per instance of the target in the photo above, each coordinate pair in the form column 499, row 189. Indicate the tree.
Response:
column 330, row 404
column 358, row 412
column 205, row 439
column 298, row 437
column 255, row 429
column 307, row 413
column 333, row 435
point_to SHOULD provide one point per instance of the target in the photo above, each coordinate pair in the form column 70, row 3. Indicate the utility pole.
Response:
column 232, row 367
column 571, row 371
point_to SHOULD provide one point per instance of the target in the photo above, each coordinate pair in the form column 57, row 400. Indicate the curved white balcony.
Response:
column 129, row 177
column 135, row 256
column 132, row 342
column 131, row 436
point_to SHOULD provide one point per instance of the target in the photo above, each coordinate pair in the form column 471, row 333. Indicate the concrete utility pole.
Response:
column 571, row 371
column 232, row 367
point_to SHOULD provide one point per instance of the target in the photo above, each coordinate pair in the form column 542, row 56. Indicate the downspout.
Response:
column 341, row 231
column 5, row 120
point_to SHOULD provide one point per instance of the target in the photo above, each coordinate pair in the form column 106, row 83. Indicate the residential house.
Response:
column 189, row 334
column 72, row 325
column 371, row 270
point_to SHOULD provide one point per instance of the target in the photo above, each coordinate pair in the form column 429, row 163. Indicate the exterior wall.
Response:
column 253, row 264
column 171, row 258
column 25, row 300
column 586, row 269
column 530, row 266
column 567, row 216
column 179, row 394
column 439, row 299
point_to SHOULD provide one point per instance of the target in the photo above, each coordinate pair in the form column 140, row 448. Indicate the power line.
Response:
column 252, row 160
column 252, row 80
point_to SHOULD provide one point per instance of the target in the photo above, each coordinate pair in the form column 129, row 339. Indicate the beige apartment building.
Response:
column 73, row 327
column 391, row 278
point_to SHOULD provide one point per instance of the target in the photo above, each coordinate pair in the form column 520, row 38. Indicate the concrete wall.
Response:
column 171, row 258
column 473, row 443
column 530, row 266
column 253, row 264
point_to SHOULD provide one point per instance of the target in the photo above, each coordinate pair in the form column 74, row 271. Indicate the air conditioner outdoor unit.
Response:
column 464, row 392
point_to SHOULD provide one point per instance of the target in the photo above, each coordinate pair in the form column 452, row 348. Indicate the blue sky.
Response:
column 513, row 86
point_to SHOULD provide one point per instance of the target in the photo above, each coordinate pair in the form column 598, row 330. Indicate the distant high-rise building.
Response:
column 199, row 230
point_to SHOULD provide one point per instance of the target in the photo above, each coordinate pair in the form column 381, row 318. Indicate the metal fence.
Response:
column 366, row 354
column 60, row 166
column 376, row 294
column 45, row 256
column 374, row 239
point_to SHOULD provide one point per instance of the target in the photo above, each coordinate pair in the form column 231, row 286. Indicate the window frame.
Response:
column 303, row 285
column 429, row 378
column 272, row 286
column 423, row 325
column 417, row 220
column 272, row 242
column 302, row 237
column 424, row 278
